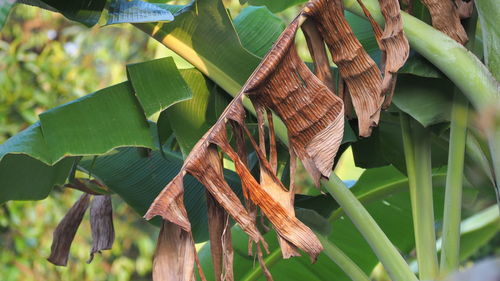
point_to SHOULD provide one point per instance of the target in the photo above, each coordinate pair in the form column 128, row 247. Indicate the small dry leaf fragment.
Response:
column 220, row 240
column 464, row 8
column 101, row 224
column 65, row 231
column 392, row 42
column 174, row 258
column 357, row 69
column 445, row 17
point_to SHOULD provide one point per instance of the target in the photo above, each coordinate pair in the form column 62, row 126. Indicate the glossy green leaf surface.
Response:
column 427, row 100
column 275, row 5
column 191, row 119
column 94, row 124
column 25, row 153
column 157, row 84
column 135, row 11
column 258, row 29
column 203, row 34
column 488, row 11
column 87, row 12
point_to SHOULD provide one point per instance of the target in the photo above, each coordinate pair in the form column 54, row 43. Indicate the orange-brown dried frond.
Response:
column 101, row 224
column 169, row 204
column 445, row 17
column 221, row 246
column 316, row 46
column 65, row 231
column 312, row 114
column 357, row 69
column 392, row 42
column 464, row 8
column 174, row 258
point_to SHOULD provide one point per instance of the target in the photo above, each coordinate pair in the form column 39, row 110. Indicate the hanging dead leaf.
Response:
column 392, row 42
column 357, row 69
column 65, row 231
column 101, row 224
column 445, row 17
column 174, row 257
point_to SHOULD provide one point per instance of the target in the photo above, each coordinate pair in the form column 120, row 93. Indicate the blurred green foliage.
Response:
column 46, row 60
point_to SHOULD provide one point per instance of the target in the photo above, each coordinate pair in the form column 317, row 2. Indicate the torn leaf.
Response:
column 65, row 231
column 101, row 224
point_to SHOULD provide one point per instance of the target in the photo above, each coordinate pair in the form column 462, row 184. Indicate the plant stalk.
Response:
column 388, row 255
column 454, row 179
column 417, row 147
column 350, row 268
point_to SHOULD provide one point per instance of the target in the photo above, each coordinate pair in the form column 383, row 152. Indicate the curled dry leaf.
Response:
column 220, row 240
column 65, row 231
column 392, row 42
column 101, row 224
column 174, row 257
column 357, row 69
column 313, row 115
column 445, row 17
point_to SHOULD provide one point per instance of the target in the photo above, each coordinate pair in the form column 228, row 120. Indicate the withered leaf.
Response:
column 220, row 240
column 464, row 8
column 392, row 42
column 445, row 17
column 316, row 46
column 357, row 69
column 174, row 258
column 65, row 231
column 101, row 224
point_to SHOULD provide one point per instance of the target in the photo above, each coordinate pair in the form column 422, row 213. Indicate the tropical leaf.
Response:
column 95, row 124
column 488, row 11
column 258, row 29
column 136, row 11
column 86, row 12
column 28, row 151
column 275, row 5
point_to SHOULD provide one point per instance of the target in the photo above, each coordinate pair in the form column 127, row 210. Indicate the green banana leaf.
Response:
column 86, row 12
column 92, row 125
column 124, row 11
column 488, row 11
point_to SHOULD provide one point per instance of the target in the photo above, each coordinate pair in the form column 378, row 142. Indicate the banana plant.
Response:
column 209, row 153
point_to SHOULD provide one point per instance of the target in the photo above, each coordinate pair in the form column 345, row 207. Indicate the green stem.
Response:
column 417, row 147
column 386, row 252
column 350, row 268
column 453, row 196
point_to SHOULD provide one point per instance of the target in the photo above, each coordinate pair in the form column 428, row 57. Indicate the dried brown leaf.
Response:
column 313, row 115
column 101, row 224
column 316, row 46
column 174, row 258
column 65, row 231
column 464, row 9
column 392, row 42
column 220, row 240
column 357, row 69
column 445, row 17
